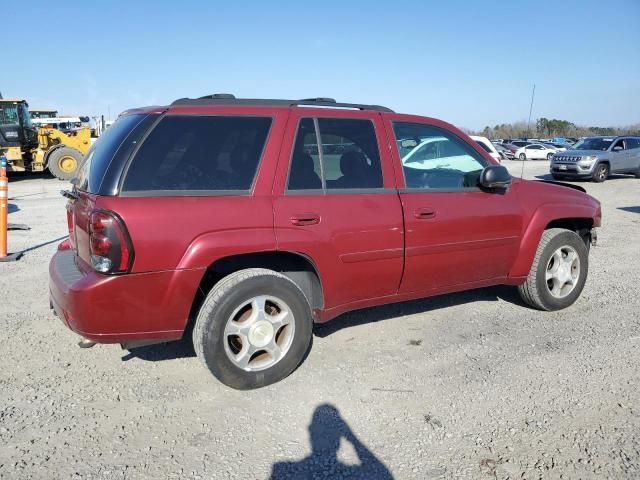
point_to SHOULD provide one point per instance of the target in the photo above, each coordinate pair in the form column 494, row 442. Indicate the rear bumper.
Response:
column 121, row 308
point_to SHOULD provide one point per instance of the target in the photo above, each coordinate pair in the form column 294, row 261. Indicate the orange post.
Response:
column 4, row 213
column 4, row 205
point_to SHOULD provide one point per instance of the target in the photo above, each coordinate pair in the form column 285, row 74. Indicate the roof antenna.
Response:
column 533, row 93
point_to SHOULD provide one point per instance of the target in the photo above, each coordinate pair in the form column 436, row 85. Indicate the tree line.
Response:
column 551, row 127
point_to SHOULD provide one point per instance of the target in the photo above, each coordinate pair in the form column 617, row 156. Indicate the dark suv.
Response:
column 258, row 218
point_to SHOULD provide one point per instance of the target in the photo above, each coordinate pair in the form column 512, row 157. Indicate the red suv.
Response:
column 259, row 218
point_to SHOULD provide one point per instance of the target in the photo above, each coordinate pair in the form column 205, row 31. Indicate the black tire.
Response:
column 535, row 291
column 601, row 173
column 637, row 174
column 223, row 299
column 522, row 157
column 64, row 162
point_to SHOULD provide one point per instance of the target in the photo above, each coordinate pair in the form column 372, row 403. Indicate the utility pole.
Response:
column 533, row 93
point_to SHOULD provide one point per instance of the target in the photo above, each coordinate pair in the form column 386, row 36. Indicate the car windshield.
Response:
column 593, row 144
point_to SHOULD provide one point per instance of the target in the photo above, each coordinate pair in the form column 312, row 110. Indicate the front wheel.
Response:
column 522, row 157
column 253, row 329
column 601, row 173
column 559, row 271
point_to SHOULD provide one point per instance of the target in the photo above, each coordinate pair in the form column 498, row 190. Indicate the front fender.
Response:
column 543, row 216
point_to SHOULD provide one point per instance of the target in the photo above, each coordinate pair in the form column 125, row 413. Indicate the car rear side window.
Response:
column 96, row 163
column 345, row 158
column 199, row 154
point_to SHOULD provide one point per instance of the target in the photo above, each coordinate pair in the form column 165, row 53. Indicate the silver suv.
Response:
column 597, row 157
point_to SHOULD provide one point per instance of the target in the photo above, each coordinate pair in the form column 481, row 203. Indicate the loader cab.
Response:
column 16, row 128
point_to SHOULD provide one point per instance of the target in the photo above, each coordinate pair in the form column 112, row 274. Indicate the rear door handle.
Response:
column 424, row 213
column 303, row 219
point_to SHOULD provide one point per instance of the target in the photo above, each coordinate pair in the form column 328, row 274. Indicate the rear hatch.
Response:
column 91, row 232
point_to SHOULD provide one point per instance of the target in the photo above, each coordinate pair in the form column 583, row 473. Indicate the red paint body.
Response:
column 367, row 249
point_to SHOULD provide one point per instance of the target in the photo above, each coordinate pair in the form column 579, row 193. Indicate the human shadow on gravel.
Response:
column 325, row 432
column 630, row 209
column 390, row 311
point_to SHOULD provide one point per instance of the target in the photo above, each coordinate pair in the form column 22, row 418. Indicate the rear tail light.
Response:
column 109, row 243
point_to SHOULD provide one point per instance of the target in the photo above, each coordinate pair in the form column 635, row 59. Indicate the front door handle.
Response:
column 424, row 213
column 304, row 219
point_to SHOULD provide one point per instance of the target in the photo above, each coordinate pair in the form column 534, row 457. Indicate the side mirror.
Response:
column 495, row 177
column 617, row 149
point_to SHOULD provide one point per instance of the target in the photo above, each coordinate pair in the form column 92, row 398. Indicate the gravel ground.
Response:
column 471, row 385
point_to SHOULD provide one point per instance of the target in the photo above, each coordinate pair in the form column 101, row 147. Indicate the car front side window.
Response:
column 434, row 158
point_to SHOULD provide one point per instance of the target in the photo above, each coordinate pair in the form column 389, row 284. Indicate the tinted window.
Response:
column 435, row 158
column 99, row 157
column 347, row 156
column 633, row 143
column 201, row 153
column 305, row 173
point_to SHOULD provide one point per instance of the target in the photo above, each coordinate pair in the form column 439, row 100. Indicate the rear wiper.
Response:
column 69, row 194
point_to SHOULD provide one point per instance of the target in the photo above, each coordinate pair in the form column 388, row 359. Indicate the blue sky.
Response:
column 468, row 62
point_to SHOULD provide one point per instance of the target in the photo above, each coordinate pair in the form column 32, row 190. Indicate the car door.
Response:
column 534, row 152
column 455, row 233
column 633, row 150
column 335, row 202
column 618, row 156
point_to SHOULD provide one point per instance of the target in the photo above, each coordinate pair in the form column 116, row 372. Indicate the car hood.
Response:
column 581, row 153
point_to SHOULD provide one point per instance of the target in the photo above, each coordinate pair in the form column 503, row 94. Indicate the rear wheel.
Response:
column 253, row 329
column 522, row 157
column 63, row 162
column 559, row 271
column 601, row 173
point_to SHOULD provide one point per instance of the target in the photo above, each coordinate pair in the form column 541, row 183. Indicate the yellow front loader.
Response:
column 30, row 149
column 61, row 152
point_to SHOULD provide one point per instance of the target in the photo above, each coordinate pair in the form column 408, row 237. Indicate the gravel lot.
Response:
column 471, row 385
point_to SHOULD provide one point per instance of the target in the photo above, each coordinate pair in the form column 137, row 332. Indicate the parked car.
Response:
column 535, row 151
column 520, row 143
column 556, row 146
column 504, row 152
column 597, row 157
column 487, row 146
column 210, row 215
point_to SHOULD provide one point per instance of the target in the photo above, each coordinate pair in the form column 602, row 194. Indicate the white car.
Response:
column 487, row 146
column 436, row 152
column 535, row 151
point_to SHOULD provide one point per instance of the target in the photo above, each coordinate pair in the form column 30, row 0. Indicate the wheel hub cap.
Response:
column 261, row 333
column 563, row 271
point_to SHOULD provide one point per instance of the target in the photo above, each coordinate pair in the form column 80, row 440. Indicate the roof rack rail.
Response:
column 228, row 99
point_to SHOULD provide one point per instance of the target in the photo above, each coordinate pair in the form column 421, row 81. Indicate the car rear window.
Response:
column 94, row 168
column 189, row 154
